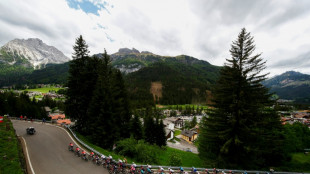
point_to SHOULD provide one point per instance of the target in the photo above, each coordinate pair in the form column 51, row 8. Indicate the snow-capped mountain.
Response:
column 31, row 52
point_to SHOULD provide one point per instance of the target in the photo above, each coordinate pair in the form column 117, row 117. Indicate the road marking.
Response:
column 30, row 165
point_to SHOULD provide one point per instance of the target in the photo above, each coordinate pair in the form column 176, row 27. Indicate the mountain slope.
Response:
column 291, row 85
column 171, row 80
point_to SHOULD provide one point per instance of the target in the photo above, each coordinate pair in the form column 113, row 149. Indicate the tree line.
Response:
column 15, row 104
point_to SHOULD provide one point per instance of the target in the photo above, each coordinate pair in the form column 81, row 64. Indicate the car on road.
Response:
column 30, row 130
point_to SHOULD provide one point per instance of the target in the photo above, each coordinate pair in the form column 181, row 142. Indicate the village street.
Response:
column 183, row 145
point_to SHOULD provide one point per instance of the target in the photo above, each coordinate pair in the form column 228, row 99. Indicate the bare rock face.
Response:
column 32, row 51
column 127, row 51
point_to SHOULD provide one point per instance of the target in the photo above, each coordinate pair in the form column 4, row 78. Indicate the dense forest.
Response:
column 97, row 99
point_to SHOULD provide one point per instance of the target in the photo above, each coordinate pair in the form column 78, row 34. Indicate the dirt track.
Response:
column 48, row 151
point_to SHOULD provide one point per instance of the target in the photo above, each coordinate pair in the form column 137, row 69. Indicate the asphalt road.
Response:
column 48, row 151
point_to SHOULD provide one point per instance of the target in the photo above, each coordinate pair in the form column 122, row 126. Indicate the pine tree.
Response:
column 120, row 104
column 233, row 134
column 161, row 139
column 194, row 122
column 81, row 83
column 149, row 127
column 136, row 127
column 80, row 48
column 108, row 113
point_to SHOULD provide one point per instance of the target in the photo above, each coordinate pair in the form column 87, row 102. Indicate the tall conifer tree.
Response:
column 81, row 81
column 234, row 132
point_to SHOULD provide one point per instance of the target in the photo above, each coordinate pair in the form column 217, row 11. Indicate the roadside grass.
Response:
column 10, row 150
column 189, row 159
column 44, row 90
column 101, row 150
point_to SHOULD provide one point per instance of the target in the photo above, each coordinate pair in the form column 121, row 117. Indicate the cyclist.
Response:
column 149, row 171
column 77, row 151
column 207, row 172
column 124, row 163
column 214, row 171
column 142, row 171
column 133, row 168
column 194, row 170
column 83, row 154
column 120, row 163
column 97, row 159
column 181, row 170
column 102, row 157
column 170, row 171
column 109, row 160
column 71, row 146
column 91, row 154
column 161, row 170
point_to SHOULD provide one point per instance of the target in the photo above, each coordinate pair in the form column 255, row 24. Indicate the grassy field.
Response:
column 10, row 148
column 177, row 132
column 188, row 159
column 44, row 90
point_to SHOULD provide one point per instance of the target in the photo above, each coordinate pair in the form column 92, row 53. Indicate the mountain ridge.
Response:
column 291, row 85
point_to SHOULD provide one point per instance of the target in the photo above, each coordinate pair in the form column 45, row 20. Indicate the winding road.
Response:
column 48, row 151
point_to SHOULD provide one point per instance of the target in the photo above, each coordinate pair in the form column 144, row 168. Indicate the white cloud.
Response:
column 203, row 29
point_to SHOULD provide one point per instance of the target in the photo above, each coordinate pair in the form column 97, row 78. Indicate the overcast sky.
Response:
column 200, row 28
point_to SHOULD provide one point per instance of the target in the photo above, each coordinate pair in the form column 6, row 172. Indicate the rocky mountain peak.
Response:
column 32, row 51
column 128, row 51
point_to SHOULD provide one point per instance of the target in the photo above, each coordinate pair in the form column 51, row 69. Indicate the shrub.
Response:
column 147, row 153
column 175, row 159
column 138, row 150
column 126, row 147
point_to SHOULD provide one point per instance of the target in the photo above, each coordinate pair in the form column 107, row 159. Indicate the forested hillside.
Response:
column 183, row 79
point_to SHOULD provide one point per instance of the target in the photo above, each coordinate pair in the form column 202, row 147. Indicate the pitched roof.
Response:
column 65, row 121
column 301, row 115
column 188, row 133
column 55, row 117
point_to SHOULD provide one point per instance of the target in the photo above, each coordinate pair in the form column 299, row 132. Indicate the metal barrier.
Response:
column 202, row 170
